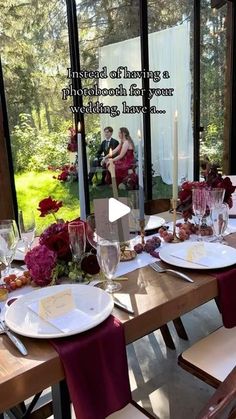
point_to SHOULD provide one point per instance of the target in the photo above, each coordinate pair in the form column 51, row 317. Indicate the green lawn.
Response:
column 32, row 187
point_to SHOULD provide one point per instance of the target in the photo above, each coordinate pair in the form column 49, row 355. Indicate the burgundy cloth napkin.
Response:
column 96, row 370
column 227, row 297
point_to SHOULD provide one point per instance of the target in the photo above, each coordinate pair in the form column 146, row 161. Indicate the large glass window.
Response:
column 170, row 52
column 109, row 42
column 213, row 64
column 35, row 55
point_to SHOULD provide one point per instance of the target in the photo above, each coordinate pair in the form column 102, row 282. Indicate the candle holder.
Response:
column 142, row 231
column 174, row 206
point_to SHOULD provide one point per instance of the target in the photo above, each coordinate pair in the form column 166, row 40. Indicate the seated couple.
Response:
column 122, row 155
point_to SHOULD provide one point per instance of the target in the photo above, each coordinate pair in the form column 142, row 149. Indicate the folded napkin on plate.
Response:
column 227, row 297
column 96, row 371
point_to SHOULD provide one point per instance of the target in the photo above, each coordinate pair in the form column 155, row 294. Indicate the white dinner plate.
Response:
column 94, row 304
column 189, row 255
column 151, row 221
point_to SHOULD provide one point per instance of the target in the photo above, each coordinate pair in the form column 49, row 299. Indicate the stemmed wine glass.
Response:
column 77, row 240
column 220, row 216
column 91, row 231
column 27, row 228
column 108, row 255
column 199, row 203
column 9, row 237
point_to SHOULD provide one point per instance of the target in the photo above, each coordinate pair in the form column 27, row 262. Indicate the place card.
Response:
column 197, row 253
column 60, row 311
column 56, row 305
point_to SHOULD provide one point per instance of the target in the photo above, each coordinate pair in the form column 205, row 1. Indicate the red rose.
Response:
column 63, row 176
column 49, row 206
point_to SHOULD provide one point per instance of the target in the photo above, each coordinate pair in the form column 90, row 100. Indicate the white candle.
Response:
column 81, row 176
column 140, row 176
column 175, row 158
column 113, row 175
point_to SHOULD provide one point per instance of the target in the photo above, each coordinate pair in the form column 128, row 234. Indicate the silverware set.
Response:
column 15, row 340
column 156, row 267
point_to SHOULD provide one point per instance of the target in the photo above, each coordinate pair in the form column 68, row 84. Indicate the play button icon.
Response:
column 116, row 210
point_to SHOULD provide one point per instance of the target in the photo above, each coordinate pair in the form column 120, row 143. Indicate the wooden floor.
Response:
column 157, row 382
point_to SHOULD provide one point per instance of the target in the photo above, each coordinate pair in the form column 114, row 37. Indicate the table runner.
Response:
column 227, row 296
column 96, row 371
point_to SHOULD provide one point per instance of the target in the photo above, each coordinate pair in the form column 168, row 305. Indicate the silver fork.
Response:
column 15, row 340
column 159, row 269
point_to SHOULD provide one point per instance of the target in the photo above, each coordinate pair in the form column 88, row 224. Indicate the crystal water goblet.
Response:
column 199, row 203
column 9, row 237
column 27, row 228
column 220, row 216
column 215, row 197
column 108, row 255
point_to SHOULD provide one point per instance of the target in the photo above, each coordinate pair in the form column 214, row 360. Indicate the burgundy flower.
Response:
column 214, row 180
column 41, row 261
column 63, row 176
column 89, row 264
column 56, row 238
column 49, row 206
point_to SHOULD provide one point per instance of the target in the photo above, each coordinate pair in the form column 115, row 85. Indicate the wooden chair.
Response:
column 222, row 404
column 131, row 411
column 212, row 358
column 155, row 206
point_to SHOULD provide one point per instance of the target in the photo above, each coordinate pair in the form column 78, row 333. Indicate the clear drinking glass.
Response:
column 199, row 203
column 91, row 231
column 9, row 237
column 220, row 216
column 27, row 228
column 215, row 197
column 108, row 255
column 77, row 239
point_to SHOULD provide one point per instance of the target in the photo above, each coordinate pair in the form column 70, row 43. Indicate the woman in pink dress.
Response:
column 125, row 159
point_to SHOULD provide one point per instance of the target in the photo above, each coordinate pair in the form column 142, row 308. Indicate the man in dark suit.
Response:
column 103, row 150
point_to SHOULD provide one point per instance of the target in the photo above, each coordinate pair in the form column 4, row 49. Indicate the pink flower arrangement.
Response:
column 52, row 258
column 41, row 261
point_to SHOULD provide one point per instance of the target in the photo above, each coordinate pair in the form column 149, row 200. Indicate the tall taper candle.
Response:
column 81, row 176
column 140, row 176
column 175, row 158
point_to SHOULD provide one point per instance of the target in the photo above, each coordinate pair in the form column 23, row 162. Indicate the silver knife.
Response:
column 15, row 340
column 122, row 306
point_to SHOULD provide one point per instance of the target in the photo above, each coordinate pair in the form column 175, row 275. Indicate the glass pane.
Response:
column 109, row 43
column 170, row 53
column 35, row 55
column 213, row 64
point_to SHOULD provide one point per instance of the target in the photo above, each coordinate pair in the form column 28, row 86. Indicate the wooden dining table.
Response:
column 155, row 298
